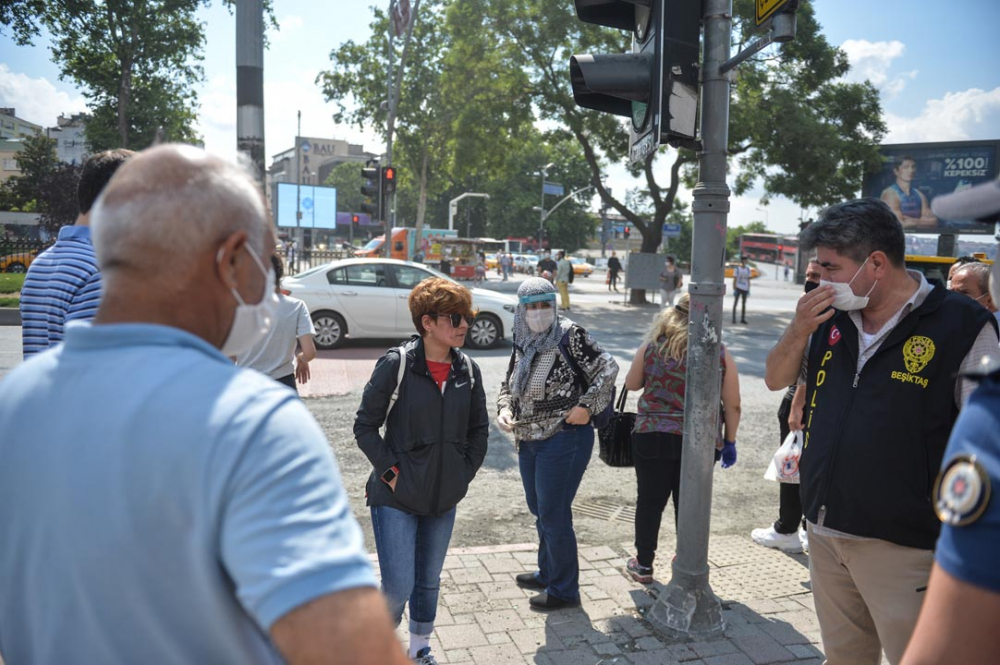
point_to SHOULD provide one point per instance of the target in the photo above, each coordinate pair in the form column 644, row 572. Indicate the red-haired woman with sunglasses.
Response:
column 435, row 440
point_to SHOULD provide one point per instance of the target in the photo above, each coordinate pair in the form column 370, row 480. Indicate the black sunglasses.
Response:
column 456, row 319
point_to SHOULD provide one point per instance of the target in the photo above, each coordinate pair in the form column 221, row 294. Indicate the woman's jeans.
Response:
column 551, row 471
column 411, row 550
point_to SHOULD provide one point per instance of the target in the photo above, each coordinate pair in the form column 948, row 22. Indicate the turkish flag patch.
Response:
column 834, row 335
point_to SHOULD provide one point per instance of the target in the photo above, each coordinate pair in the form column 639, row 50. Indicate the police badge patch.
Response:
column 962, row 491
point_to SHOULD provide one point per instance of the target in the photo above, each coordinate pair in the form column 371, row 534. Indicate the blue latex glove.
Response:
column 728, row 454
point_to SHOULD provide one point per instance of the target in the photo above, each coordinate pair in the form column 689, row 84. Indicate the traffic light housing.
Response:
column 628, row 230
column 389, row 174
column 656, row 85
column 372, row 189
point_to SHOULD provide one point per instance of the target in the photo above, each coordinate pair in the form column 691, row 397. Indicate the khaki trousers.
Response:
column 564, row 294
column 868, row 595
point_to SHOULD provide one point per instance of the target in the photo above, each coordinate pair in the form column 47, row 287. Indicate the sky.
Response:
column 936, row 64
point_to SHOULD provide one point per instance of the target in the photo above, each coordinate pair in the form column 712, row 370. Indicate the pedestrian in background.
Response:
column 883, row 374
column 973, row 280
column 614, row 267
column 178, row 509
column 563, row 270
column 787, row 533
column 285, row 351
column 505, row 261
column 430, row 397
column 445, row 266
column 670, row 282
column 659, row 370
column 63, row 283
column 558, row 377
column 741, row 288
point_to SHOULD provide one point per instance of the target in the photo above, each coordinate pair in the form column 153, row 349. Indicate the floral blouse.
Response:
column 554, row 387
column 661, row 405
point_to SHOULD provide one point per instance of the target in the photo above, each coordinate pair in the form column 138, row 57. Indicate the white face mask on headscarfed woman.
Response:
column 251, row 322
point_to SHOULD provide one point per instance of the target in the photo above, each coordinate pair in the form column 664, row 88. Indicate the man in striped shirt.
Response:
column 63, row 283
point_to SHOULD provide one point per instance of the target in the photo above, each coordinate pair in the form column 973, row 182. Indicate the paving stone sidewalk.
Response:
column 484, row 618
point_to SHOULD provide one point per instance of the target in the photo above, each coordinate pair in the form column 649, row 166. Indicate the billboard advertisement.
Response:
column 317, row 204
column 914, row 174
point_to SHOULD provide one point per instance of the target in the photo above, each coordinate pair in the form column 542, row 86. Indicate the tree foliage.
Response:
column 45, row 185
column 347, row 179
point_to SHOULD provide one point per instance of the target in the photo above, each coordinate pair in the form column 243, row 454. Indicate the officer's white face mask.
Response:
column 844, row 297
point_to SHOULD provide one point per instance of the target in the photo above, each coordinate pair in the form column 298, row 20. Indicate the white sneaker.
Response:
column 424, row 657
column 780, row 541
column 804, row 539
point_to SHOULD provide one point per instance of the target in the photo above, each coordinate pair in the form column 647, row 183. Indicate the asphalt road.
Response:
column 494, row 511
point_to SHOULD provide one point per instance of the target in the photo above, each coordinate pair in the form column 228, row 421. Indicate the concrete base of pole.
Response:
column 687, row 610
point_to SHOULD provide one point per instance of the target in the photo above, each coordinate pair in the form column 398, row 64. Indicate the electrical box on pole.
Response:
column 656, row 84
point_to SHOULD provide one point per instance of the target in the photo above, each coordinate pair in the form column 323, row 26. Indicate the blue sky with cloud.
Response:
column 937, row 65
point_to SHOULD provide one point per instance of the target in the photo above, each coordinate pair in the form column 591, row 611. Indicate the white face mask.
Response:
column 251, row 322
column 539, row 320
column 844, row 298
column 995, row 281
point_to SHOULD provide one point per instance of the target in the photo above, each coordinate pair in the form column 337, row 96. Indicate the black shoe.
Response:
column 744, row 321
column 529, row 581
column 543, row 602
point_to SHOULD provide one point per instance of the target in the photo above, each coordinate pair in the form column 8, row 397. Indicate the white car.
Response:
column 368, row 298
column 525, row 263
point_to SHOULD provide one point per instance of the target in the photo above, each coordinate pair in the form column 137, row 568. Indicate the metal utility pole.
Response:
column 453, row 206
column 689, row 608
column 298, row 187
column 393, row 93
column 250, row 82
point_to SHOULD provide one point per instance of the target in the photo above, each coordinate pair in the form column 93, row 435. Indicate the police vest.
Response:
column 875, row 439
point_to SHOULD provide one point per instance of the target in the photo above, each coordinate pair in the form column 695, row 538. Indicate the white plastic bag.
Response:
column 784, row 467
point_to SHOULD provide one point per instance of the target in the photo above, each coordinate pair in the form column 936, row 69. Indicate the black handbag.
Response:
column 615, row 439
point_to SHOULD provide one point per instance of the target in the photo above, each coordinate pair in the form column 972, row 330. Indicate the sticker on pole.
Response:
column 765, row 9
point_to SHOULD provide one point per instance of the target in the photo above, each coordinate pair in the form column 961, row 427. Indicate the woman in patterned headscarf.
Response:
column 557, row 378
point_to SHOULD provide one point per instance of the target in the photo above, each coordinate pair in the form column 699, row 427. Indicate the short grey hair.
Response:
column 981, row 273
column 857, row 228
column 171, row 203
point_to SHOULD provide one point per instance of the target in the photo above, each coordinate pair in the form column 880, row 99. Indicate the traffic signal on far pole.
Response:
column 372, row 189
column 656, row 85
column 389, row 174
column 628, row 230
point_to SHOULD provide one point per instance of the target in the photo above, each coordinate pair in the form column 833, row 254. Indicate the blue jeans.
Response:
column 551, row 471
column 411, row 550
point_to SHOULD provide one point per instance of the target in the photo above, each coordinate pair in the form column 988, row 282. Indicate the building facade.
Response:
column 70, row 136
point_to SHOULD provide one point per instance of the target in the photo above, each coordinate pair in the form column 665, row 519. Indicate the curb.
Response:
column 10, row 316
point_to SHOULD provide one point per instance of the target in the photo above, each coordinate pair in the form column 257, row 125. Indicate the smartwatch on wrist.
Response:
column 390, row 474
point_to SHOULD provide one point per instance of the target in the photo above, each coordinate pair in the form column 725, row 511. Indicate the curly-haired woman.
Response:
column 557, row 378
column 434, row 443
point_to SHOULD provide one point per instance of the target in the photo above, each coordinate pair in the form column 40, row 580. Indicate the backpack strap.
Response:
column 564, row 349
column 400, row 373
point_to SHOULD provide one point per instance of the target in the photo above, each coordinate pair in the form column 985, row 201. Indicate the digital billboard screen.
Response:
column 318, row 206
column 914, row 174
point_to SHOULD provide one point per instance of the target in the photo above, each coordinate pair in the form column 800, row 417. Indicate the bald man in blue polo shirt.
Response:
column 157, row 503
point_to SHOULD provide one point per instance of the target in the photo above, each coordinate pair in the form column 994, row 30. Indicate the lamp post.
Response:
column 453, row 206
column 541, row 208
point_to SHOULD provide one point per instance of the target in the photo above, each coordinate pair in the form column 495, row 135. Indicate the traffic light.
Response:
column 372, row 189
column 628, row 230
column 389, row 174
column 656, row 85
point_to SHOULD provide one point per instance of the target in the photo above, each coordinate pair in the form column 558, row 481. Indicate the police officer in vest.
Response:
column 960, row 619
column 882, row 396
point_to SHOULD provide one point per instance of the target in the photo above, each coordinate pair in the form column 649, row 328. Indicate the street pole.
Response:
column 250, row 83
column 688, row 608
column 453, row 206
column 298, row 189
column 541, row 214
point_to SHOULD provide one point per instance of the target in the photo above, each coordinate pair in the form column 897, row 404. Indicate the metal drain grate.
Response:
column 605, row 511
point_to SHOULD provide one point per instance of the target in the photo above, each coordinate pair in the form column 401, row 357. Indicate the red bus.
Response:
column 769, row 248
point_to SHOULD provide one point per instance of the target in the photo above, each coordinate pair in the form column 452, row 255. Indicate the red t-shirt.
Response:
column 439, row 372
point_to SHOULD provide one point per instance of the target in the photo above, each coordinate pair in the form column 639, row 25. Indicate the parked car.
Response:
column 525, row 263
column 18, row 262
column 492, row 262
column 581, row 267
column 367, row 298
column 732, row 265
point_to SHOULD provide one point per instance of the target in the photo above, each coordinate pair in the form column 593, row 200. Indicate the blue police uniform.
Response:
column 964, row 501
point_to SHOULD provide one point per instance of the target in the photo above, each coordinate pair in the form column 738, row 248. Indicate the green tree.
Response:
column 36, row 161
column 137, row 61
column 347, row 179
column 796, row 128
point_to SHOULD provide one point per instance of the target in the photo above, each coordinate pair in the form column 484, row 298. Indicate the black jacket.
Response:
column 438, row 441
column 614, row 265
column 875, row 440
